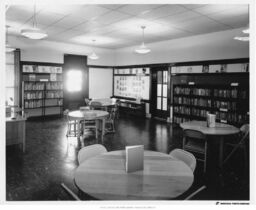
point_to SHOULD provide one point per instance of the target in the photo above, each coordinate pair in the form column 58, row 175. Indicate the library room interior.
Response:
column 127, row 102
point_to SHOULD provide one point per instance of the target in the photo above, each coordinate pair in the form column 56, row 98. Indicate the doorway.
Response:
column 159, row 93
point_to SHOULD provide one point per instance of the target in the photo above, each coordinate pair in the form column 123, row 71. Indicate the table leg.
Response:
column 24, row 136
column 103, row 129
column 221, row 152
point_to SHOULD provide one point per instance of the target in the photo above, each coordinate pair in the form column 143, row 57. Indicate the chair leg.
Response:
column 205, row 156
column 183, row 142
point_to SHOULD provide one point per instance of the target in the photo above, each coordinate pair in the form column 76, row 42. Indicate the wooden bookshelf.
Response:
column 226, row 95
column 42, row 88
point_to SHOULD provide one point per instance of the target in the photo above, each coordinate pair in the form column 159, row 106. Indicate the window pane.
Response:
column 165, row 77
column 159, row 103
column 9, row 75
column 165, row 104
column 164, row 90
column 159, row 90
column 160, row 77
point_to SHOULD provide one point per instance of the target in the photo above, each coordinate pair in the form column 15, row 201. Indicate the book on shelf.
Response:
column 32, row 77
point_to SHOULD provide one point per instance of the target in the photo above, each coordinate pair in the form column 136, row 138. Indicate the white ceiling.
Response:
column 115, row 26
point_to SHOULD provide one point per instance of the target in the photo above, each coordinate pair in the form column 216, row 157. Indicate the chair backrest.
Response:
column 193, row 134
column 87, row 101
column 184, row 156
column 95, row 105
column 90, row 151
column 245, row 129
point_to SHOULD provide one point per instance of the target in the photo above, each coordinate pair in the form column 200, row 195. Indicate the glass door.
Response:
column 159, row 104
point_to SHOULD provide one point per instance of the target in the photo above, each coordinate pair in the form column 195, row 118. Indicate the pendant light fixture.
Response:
column 34, row 33
column 93, row 55
column 245, row 31
column 142, row 48
column 8, row 47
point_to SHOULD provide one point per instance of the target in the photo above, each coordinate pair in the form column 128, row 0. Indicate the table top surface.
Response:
column 104, row 177
column 219, row 129
column 105, row 101
column 81, row 114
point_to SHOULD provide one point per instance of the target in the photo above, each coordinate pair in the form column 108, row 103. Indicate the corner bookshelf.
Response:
column 227, row 96
column 42, row 88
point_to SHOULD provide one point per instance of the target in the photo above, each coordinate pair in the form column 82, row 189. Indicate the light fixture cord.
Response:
column 7, row 34
column 143, row 35
column 34, row 17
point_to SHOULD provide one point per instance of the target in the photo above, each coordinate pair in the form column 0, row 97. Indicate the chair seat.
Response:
column 195, row 146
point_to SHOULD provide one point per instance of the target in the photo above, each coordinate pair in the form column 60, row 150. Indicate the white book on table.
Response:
column 134, row 158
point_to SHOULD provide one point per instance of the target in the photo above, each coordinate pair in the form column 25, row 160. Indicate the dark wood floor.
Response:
column 51, row 159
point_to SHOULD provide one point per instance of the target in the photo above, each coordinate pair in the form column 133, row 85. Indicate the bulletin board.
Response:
column 132, row 86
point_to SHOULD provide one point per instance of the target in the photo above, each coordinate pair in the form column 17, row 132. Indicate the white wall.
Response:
column 51, row 51
column 100, row 82
column 212, row 46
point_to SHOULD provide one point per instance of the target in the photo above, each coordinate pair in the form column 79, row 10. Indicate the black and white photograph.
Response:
column 128, row 101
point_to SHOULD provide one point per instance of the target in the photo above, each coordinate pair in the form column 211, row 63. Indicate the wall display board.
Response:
column 132, row 83
column 42, row 88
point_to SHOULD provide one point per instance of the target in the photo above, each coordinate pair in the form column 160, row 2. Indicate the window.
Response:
column 74, row 81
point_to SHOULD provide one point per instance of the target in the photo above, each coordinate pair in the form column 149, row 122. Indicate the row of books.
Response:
column 182, row 110
column 182, row 91
column 225, row 105
column 225, row 93
column 33, row 95
column 33, row 104
column 199, row 112
column 54, row 86
column 232, row 117
column 54, row 94
column 192, row 101
column 34, row 86
column 201, row 92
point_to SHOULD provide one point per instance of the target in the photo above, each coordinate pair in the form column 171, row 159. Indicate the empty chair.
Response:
column 110, row 121
column 196, row 142
column 89, row 122
column 239, row 142
column 90, row 151
column 70, row 192
column 96, row 105
column 72, row 125
column 193, row 194
column 184, row 156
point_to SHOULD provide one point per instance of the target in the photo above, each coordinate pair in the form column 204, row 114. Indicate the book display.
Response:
column 225, row 96
column 42, row 88
column 131, row 86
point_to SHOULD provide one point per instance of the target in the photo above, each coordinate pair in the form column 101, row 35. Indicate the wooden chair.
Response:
column 72, row 125
column 90, row 151
column 70, row 192
column 196, row 142
column 193, row 194
column 239, row 143
column 110, row 121
column 184, row 156
column 96, row 105
column 89, row 122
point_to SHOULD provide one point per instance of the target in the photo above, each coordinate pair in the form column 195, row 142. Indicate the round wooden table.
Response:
column 219, row 130
column 104, row 177
column 80, row 115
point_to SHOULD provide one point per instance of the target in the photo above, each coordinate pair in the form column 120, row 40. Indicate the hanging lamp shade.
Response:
column 142, row 49
column 93, row 55
column 34, row 32
column 245, row 31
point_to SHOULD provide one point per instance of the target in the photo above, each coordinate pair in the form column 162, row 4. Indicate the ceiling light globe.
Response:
column 242, row 38
column 142, row 49
column 93, row 56
column 33, row 33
